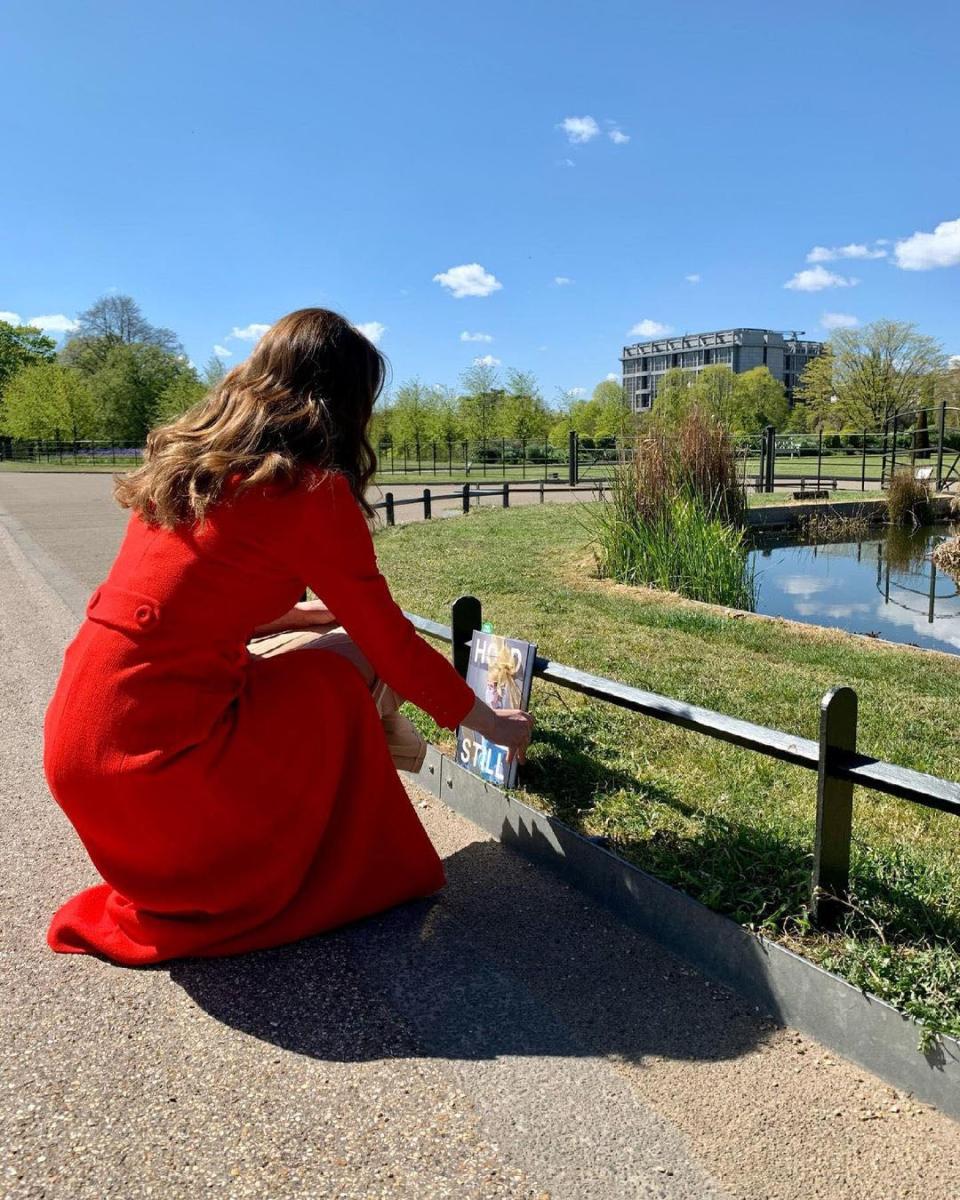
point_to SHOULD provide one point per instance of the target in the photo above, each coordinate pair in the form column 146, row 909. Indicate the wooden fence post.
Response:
column 388, row 501
column 830, row 879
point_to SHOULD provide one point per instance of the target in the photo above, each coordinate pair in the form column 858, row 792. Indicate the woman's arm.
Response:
column 338, row 561
column 307, row 614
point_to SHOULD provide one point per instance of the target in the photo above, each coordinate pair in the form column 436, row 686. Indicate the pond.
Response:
column 884, row 585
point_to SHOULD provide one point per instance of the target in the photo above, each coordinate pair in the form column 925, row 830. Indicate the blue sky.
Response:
column 225, row 164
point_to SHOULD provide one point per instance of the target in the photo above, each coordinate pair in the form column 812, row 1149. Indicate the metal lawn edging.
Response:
column 775, row 981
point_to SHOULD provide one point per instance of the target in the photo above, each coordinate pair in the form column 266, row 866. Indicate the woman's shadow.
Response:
column 508, row 960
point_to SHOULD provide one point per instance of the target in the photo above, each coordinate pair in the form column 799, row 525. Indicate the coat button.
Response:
column 144, row 616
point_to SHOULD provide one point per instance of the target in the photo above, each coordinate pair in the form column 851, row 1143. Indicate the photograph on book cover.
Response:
column 500, row 672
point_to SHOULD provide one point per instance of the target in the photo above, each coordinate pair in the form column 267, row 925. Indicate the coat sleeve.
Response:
column 337, row 560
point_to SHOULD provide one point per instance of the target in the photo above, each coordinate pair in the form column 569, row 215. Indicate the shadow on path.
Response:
column 507, row 961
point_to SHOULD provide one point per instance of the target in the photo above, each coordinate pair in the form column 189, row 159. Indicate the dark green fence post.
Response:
column 466, row 617
column 941, row 434
column 771, row 459
column 427, row 506
column 819, row 457
column 391, row 516
column 573, row 443
column 830, row 880
column 506, row 494
column 893, row 459
column 466, row 497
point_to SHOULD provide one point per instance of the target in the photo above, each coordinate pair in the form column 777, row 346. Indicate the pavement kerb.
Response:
column 774, row 980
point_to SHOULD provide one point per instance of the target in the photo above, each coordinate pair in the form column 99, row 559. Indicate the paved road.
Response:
column 510, row 1039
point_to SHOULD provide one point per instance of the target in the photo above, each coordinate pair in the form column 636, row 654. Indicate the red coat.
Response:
column 229, row 801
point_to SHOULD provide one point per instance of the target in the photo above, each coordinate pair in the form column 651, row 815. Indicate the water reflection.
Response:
column 884, row 585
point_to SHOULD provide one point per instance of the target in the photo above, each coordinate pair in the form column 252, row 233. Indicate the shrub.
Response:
column 908, row 499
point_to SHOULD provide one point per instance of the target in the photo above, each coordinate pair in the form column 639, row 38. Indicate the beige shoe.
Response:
column 408, row 748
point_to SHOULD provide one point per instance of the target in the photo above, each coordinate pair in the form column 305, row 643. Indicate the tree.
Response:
column 117, row 320
column 816, row 392
column 47, row 400
column 410, row 415
column 759, row 400
column 21, row 345
column 715, row 390
column 878, row 370
column 213, row 371
column 673, row 400
column 480, row 401
column 614, row 415
column 128, row 386
column 523, row 415
column 181, row 393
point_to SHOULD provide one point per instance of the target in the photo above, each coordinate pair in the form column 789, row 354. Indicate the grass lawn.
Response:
column 727, row 826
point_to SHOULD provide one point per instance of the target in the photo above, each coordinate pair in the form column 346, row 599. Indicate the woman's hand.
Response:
column 308, row 614
column 510, row 727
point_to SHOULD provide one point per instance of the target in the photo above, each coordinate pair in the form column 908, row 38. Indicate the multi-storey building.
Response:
column 740, row 349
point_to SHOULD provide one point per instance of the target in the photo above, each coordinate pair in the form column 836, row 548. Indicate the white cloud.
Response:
column 222, row 351
column 54, row 323
column 565, row 162
column 373, row 331
column 924, row 251
column 579, row 129
column 576, row 391
column 248, row 333
column 953, row 360
column 648, row 328
column 839, row 321
column 11, row 318
column 475, row 337
column 470, row 279
column 487, row 361
column 613, row 377
column 692, row 278
column 562, row 280
column 822, row 254
column 618, row 137
column 815, row 279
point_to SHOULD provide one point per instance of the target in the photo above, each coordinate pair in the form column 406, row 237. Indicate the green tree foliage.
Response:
column 21, row 345
column 47, row 400
column 878, row 370
column 674, row 399
column 816, row 393
column 480, row 401
column 181, row 393
column 759, row 400
column 128, row 386
column 523, row 415
column 614, row 416
column 411, row 415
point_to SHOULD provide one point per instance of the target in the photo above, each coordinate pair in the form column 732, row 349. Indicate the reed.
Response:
column 674, row 518
column 908, row 499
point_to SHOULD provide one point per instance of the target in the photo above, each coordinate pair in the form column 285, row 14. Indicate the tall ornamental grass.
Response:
column 674, row 518
column 908, row 499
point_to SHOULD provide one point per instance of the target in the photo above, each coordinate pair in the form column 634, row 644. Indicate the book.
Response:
column 501, row 673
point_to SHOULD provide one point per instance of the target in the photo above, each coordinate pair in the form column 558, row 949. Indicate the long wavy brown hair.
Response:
column 302, row 399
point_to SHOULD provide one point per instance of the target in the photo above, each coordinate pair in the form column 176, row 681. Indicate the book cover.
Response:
column 500, row 672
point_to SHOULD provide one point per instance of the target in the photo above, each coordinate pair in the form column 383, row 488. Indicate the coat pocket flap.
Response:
column 123, row 609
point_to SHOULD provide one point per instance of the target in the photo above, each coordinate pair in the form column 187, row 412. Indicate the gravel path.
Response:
column 508, row 1039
